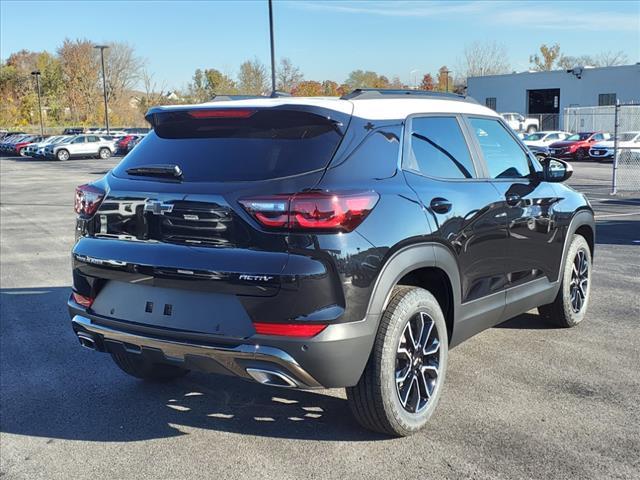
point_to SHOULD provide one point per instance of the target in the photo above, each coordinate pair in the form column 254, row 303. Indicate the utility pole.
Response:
column 36, row 73
column 273, row 57
column 104, row 85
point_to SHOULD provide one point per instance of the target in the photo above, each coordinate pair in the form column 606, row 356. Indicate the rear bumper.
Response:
column 334, row 358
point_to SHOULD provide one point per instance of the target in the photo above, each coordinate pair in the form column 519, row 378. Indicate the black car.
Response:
column 312, row 243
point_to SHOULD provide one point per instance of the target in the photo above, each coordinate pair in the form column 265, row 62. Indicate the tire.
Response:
column 136, row 366
column 570, row 305
column 104, row 153
column 62, row 155
column 376, row 401
column 581, row 155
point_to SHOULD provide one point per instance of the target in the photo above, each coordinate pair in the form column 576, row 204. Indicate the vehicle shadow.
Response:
column 527, row 321
column 618, row 232
column 51, row 387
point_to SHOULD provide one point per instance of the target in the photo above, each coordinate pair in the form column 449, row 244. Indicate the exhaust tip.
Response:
column 87, row 341
column 271, row 378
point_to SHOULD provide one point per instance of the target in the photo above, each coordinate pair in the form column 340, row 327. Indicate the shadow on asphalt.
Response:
column 527, row 321
column 51, row 387
column 618, row 232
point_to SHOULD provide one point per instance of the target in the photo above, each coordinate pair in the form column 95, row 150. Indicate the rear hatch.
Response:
column 171, row 215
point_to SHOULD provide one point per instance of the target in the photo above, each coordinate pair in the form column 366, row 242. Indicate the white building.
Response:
column 545, row 95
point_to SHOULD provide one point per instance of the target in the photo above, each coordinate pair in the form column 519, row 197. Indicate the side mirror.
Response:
column 556, row 170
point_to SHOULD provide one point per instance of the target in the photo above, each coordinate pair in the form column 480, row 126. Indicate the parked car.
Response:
column 576, row 147
column 604, row 150
column 80, row 146
column 73, row 131
column 227, row 242
column 545, row 138
column 62, row 139
column 123, row 142
column 132, row 144
column 9, row 143
column 18, row 147
column 521, row 124
column 31, row 149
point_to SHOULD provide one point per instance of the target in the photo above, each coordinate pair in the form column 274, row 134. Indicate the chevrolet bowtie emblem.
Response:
column 158, row 208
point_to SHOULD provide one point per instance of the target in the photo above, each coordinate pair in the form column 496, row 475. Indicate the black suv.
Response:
column 311, row 243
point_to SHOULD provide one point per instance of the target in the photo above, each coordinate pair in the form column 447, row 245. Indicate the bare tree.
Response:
column 484, row 58
column 287, row 75
column 123, row 69
column 253, row 78
column 610, row 59
column 549, row 56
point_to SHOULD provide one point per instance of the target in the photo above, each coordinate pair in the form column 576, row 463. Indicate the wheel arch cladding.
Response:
column 426, row 265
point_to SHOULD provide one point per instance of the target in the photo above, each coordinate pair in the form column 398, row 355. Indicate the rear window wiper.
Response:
column 159, row 170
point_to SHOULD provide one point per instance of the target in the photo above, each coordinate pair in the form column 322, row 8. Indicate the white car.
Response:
column 31, row 149
column 604, row 150
column 80, row 146
column 544, row 139
column 521, row 124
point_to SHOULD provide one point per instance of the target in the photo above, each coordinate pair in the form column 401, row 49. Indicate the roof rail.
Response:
column 226, row 98
column 368, row 93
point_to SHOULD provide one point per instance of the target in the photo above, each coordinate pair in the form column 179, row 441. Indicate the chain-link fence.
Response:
column 626, row 170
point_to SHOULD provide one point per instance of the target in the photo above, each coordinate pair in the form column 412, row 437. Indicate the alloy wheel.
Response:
column 417, row 363
column 579, row 285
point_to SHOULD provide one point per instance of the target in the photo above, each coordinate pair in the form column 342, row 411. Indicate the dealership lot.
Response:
column 522, row 400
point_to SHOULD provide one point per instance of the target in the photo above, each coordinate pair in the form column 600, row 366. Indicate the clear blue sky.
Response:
column 326, row 40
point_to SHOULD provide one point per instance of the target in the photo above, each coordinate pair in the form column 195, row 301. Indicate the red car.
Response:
column 17, row 148
column 121, row 145
column 576, row 147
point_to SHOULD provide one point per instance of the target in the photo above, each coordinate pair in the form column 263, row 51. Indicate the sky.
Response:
column 327, row 40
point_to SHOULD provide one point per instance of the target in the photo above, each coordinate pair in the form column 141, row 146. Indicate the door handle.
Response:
column 513, row 199
column 440, row 205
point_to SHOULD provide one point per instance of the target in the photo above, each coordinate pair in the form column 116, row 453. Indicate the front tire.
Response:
column 137, row 366
column 570, row 305
column 62, row 155
column 104, row 153
column 581, row 155
column 401, row 384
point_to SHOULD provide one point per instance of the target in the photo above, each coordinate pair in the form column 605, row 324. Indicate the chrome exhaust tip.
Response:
column 271, row 378
column 87, row 341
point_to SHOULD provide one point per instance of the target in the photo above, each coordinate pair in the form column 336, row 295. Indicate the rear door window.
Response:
column 248, row 146
column 438, row 148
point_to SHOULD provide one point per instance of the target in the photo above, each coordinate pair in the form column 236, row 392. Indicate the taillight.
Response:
column 288, row 329
column 320, row 211
column 222, row 113
column 82, row 300
column 88, row 199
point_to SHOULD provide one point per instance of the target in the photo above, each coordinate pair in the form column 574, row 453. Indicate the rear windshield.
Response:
column 265, row 145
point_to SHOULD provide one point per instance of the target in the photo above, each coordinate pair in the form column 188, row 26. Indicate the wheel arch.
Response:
column 427, row 265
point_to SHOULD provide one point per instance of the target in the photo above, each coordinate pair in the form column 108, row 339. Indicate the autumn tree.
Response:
column 308, row 88
column 366, row 79
column 547, row 59
column 287, row 75
column 80, row 71
column 426, row 83
column 330, row 88
column 253, row 78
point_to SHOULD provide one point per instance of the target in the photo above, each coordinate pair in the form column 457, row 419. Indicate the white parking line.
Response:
column 617, row 215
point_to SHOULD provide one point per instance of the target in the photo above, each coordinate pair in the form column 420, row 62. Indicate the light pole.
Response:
column 447, row 72
column 414, row 78
column 104, row 85
column 36, row 73
column 273, row 57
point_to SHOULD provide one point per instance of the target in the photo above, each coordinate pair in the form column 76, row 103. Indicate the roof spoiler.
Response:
column 368, row 93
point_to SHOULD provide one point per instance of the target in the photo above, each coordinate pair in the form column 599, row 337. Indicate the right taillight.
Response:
column 88, row 199
column 318, row 211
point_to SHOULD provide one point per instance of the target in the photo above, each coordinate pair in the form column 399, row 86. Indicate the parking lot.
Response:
column 522, row 400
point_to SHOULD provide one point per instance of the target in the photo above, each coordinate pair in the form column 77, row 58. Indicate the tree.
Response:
column 604, row 59
column 287, row 75
column 218, row 83
column 397, row 83
column 445, row 80
column 484, row 58
column 80, row 71
column 330, row 88
column 253, row 79
column 366, row 79
column 549, row 56
column 308, row 88
column 426, row 83
column 610, row 59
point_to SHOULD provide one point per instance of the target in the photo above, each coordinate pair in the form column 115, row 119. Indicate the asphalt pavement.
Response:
column 522, row 400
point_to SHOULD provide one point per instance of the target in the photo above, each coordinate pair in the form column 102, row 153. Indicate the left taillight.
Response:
column 82, row 300
column 88, row 199
column 317, row 211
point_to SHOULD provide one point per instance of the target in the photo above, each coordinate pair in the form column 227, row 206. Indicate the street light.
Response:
column 36, row 73
column 104, row 85
column 414, row 78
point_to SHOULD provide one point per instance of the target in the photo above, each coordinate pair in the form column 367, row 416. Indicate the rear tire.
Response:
column 570, row 305
column 401, row 384
column 581, row 155
column 104, row 153
column 136, row 366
